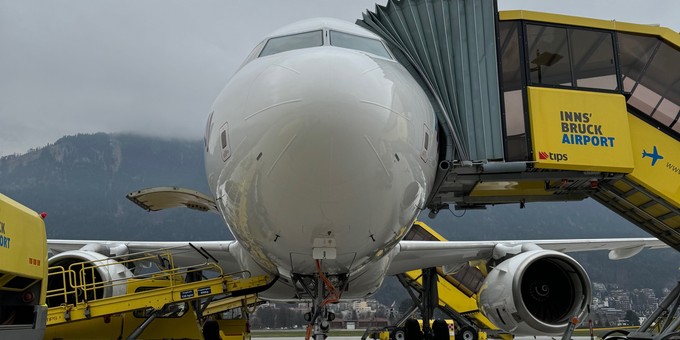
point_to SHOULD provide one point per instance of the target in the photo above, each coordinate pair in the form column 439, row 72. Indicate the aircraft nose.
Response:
column 330, row 77
column 331, row 126
column 323, row 143
column 330, row 105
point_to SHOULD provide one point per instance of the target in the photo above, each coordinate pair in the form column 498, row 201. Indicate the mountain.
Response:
column 81, row 182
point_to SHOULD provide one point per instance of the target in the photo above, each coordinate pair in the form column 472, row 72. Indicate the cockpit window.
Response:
column 356, row 42
column 292, row 42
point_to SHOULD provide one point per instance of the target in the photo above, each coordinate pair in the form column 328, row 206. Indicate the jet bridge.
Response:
column 542, row 107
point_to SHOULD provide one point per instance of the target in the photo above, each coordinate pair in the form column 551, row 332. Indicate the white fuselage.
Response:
column 321, row 152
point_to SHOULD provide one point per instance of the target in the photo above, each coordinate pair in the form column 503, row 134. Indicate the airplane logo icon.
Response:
column 654, row 155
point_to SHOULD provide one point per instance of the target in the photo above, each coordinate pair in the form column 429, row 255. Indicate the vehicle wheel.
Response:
column 412, row 330
column 611, row 334
column 467, row 333
column 211, row 330
column 398, row 334
column 440, row 329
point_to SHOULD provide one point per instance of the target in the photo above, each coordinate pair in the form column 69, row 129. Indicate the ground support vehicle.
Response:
column 173, row 302
column 23, row 271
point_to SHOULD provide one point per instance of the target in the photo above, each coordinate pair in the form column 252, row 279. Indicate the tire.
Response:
column 211, row 330
column 467, row 333
column 611, row 334
column 440, row 329
column 412, row 330
column 398, row 334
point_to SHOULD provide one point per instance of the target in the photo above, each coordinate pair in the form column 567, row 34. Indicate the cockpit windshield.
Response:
column 315, row 38
column 292, row 42
column 355, row 42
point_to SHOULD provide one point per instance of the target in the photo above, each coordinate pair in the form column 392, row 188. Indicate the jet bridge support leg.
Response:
column 430, row 300
column 426, row 300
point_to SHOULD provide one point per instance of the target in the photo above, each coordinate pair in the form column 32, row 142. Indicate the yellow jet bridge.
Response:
column 602, row 98
column 544, row 107
column 590, row 108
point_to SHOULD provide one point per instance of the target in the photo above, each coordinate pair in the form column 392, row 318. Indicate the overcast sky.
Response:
column 155, row 66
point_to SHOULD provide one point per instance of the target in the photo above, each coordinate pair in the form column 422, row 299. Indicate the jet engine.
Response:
column 84, row 274
column 535, row 292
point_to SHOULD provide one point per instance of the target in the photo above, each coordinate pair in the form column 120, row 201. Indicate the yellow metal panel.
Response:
column 556, row 19
column 430, row 230
column 657, row 210
column 512, row 188
column 579, row 130
column 226, row 304
column 638, row 199
column 102, row 328
column 622, row 186
column 673, row 222
column 23, row 243
column 184, row 327
column 662, row 178
column 667, row 34
column 233, row 327
column 121, row 325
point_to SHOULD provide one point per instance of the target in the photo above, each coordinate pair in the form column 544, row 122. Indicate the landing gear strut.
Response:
column 323, row 291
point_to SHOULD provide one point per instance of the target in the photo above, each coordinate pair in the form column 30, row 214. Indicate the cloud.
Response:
column 151, row 67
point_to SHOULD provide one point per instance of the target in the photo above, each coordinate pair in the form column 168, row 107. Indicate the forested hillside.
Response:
column 81, row 182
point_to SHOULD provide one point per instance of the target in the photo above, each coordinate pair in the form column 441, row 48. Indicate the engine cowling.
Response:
column 536, row 292
column 103, row 276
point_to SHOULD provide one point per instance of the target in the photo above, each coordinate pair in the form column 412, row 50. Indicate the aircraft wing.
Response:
column 424, row 254
column 183, row 253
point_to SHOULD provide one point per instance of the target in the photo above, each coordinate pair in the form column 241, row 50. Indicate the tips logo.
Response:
column 559, row 157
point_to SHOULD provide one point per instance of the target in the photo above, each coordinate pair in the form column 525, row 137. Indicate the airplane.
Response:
column 654, row 155
column 320, row 153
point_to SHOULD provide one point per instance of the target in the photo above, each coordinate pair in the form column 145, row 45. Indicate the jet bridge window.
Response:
column 650, row 74
column 548, row 55
column 292, row 42
column 581, row 58
column 516, row 145
column 355, row 42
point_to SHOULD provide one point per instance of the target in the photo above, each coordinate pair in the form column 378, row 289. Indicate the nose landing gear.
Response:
column 323, row 292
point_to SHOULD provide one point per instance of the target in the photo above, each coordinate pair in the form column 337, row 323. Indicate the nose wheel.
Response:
column 320, row 324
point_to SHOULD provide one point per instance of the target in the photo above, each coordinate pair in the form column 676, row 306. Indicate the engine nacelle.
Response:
column 104, row 276
column 536, row 292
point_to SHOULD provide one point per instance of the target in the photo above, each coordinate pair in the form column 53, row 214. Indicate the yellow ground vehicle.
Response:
column 169, row 303
column 70, row 301
column 174, row 320
column 23, row 271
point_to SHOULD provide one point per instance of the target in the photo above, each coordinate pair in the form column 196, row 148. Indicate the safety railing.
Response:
column 86, row 281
